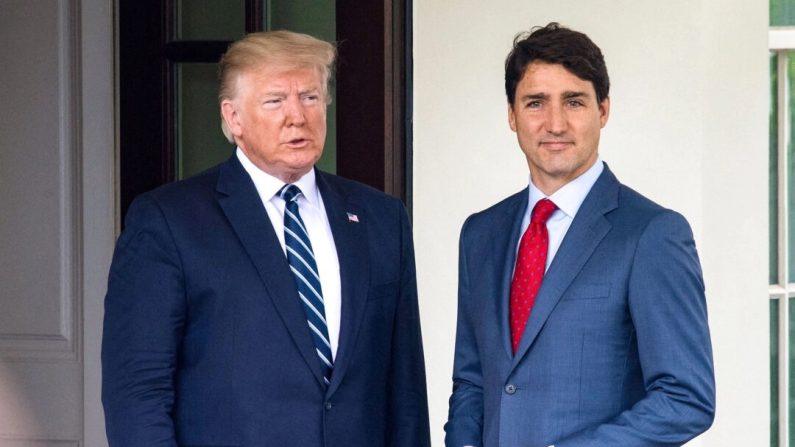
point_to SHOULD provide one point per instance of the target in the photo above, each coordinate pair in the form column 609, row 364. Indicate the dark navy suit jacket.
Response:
column 617, row 349
column 205, row 341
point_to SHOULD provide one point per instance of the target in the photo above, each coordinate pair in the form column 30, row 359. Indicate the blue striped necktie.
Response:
column 302, row 262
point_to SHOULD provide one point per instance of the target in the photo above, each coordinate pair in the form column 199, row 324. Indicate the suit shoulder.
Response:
column 201, row 183
column 351, row 188
column 632, row 200
column 639, row 210
column 507, row 205
column 191, row 193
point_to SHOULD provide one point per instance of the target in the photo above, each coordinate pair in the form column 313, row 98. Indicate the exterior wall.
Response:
column 688, row 128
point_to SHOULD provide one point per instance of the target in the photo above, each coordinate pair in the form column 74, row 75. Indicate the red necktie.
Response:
column 529, row 271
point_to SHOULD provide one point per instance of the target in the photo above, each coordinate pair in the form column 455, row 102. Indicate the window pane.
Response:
column 782, row 12
column 791, row 362
column 773, row 188
column 313, row 17
column 791, row 167
column 774, row 373
column 200, row 142
column 211, row 19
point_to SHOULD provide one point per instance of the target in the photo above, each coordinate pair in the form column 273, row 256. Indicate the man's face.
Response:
column 557, row 121
column 278, row 118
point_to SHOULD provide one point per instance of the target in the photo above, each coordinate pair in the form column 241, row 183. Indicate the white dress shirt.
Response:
column 568, row 200
column 313, row 213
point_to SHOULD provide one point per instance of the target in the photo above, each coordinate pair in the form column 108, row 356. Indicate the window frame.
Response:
column 781, row 42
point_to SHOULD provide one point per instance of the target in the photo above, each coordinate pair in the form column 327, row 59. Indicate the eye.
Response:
column 272, row 103
column 310, row 99
column 535, row 104
column 574, row 103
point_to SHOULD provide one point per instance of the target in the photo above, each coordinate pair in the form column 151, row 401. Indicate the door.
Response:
column 57, row 225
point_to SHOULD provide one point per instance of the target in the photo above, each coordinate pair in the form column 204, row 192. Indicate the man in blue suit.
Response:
column 581, row 319
column 264, row 302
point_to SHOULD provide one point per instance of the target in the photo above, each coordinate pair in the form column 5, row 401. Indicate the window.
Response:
column 782, row 221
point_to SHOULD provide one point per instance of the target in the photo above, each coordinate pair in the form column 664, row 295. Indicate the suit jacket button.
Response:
column 510, row 388
column 328, row 405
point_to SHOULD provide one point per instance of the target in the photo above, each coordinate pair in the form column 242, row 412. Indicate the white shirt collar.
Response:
column 268, row 186
column 569, row 197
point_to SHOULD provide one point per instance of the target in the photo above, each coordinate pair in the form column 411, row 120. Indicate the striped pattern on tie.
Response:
column 302, row 262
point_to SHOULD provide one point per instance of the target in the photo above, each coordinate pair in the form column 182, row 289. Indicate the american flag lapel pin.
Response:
column 353, row 218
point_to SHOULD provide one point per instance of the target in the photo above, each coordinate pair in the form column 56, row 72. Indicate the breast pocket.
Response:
column 587, row 292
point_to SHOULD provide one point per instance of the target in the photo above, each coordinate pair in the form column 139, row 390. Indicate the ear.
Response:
column 511, row 117
column 604, row 111
column 231, row 117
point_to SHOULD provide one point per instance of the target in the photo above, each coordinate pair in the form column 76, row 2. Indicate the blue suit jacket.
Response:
column 206, row 343
column 616, row 351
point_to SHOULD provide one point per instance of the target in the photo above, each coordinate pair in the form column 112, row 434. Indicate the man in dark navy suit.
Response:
column 264, row 302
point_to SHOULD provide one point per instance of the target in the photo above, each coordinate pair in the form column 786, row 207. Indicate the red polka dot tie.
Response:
column 529, row 271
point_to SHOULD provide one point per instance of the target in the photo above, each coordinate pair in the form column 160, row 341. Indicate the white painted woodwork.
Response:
column 57, row 152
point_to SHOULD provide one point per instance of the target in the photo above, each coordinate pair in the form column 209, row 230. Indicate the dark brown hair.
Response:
column 555, row 44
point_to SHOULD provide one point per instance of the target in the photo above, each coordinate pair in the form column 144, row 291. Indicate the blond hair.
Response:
column 281, row 49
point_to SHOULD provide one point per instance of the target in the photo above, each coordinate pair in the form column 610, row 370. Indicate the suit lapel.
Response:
column 503, row 248
column 587, row 230
column 242, row 206
column 350, row 239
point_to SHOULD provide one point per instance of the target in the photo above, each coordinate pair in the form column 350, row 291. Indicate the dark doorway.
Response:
column 161, row 56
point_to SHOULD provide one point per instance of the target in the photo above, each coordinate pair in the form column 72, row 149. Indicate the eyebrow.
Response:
column 565, row 95
column 535, row 96
column 279, row 93
column 284, row 93
column 573, row 94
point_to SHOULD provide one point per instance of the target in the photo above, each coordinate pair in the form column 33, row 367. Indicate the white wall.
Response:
column 688, row 128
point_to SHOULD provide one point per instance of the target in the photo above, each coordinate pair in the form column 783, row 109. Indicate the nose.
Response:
column 294, row 112
column 556, row 122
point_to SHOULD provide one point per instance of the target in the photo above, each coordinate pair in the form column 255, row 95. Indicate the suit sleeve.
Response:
column 668, row 310
column 407, row 391
column 144, row 316
column 465, row 418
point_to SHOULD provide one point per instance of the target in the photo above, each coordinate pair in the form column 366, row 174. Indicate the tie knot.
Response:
column 543, row 209
column 290, row 193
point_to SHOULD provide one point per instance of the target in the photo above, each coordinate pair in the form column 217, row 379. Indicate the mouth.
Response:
column 556, row 145
column 297, row 143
